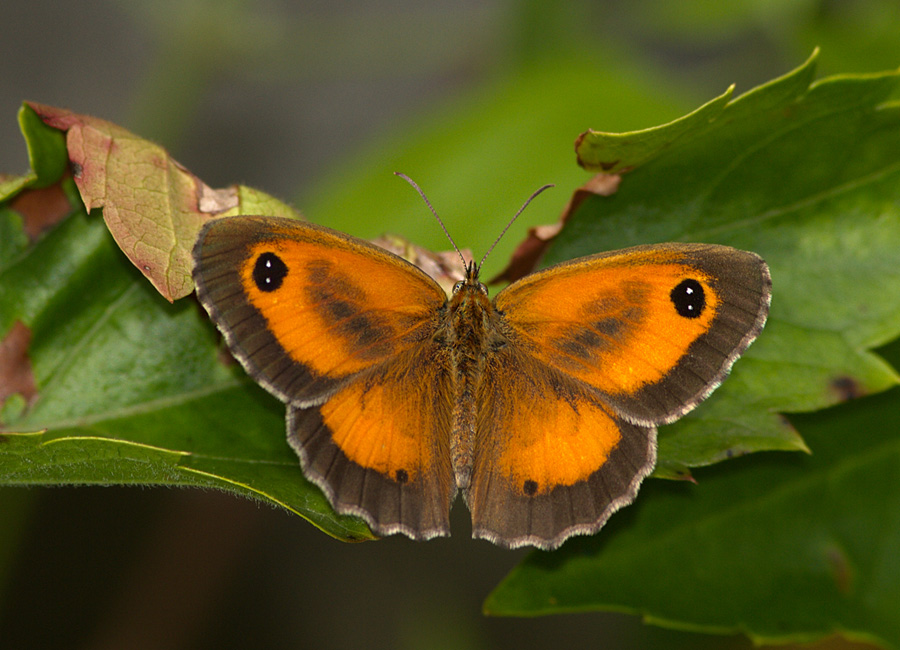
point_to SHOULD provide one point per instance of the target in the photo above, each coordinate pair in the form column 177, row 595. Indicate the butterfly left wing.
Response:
column 303, row 307
column 342, row 332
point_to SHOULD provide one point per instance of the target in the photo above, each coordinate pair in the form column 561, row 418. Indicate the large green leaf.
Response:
column 806, row 176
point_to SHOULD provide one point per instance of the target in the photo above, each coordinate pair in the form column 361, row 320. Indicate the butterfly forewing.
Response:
column 304, row 307
column 654, row 329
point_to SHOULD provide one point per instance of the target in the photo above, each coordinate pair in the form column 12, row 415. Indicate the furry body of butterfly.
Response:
column 540, row 406
column 471, row 332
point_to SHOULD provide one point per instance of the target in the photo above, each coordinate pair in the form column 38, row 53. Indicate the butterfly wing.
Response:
column 654, row 329
column 601, row 350
column 379, row 446
column 341, row 331
column 552, row 460
column 304, row 307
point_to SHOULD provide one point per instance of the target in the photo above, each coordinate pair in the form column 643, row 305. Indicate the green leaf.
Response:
column 132, row 390
column 614, row 153
column 46, row 148
column 252, row 201
column 12, row 185
column 13, row 239
column 805, row 175
column 782, row 547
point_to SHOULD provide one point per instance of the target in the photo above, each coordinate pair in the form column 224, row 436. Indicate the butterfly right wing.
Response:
column 653, row 329
column 598, row 352
column 552, row 458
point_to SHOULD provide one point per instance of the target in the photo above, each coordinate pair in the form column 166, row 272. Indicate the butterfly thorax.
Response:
column 471, row 329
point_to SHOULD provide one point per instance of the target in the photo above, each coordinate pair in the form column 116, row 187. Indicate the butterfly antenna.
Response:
column 434, row 212
column 515, row 216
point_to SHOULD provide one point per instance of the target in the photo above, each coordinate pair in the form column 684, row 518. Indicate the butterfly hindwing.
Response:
column 552, row 459
column 379, row 446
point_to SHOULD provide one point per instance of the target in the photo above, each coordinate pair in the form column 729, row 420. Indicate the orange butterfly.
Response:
column 540, row 406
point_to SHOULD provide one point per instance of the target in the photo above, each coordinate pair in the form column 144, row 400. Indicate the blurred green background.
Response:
column 317, row 103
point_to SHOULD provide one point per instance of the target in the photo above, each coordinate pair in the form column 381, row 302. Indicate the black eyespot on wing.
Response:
column 269, row 272
column 688, row 298
column 402, row 476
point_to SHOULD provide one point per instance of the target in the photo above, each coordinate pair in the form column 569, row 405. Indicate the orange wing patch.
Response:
column 336, row 310
column 614, row 327
column 538, row 430
column 378, row 428
column 552, row 443
column 551, row 458
column 379, row 446
column 303, row 307
column 649, row 327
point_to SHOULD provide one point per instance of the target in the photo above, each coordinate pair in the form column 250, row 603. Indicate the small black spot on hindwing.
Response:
column 688, row 298
column 269, row 272
column 402, row 476
column 530, row 487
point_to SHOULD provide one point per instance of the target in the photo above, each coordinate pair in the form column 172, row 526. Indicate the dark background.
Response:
column 298, row 98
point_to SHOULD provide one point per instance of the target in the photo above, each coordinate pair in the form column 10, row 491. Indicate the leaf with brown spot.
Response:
column 846, row 388
column 150, row 203
column 16, row 376
column 41, row 208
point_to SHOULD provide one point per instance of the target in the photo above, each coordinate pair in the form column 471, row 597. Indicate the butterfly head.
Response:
column 471, row 280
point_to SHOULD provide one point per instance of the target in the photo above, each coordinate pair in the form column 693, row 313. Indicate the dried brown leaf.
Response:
column 152, row 205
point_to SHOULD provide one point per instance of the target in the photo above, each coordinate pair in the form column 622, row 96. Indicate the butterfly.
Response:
column 540, row 406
